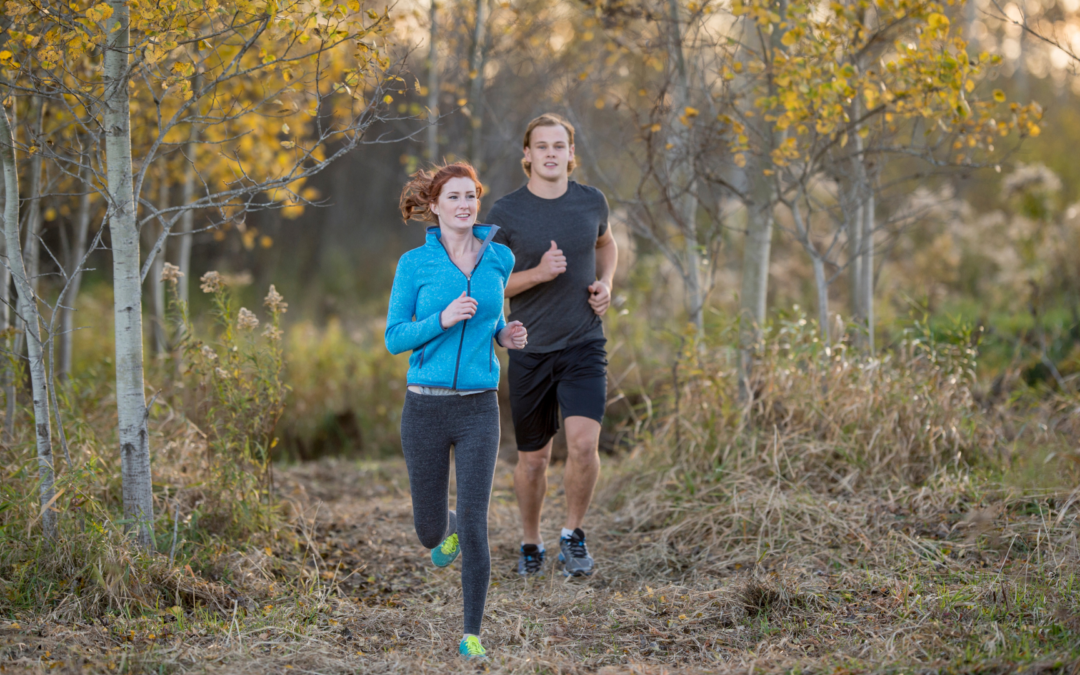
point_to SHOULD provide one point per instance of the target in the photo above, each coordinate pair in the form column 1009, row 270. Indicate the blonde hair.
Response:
column 547, row 120
column 424, row 188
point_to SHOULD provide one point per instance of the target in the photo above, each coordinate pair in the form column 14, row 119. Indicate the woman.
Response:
column 447, row 307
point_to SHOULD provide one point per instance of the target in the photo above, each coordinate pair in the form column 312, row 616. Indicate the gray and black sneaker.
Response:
column 531, row 561
column 574, row 556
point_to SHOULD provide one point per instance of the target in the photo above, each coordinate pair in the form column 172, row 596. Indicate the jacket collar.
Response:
column 482, row 232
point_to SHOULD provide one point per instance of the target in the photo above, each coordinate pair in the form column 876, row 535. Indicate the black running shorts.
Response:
column 573, row 379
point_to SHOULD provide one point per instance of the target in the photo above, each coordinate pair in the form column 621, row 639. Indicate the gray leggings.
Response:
column 429, row 426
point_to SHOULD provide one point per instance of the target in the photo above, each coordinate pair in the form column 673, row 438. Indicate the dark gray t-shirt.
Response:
column 556, row 313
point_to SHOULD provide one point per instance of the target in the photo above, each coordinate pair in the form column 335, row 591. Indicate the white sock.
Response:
column 539, row 546
column 566, row 534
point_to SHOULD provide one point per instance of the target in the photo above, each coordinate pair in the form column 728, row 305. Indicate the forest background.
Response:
column 847, row 291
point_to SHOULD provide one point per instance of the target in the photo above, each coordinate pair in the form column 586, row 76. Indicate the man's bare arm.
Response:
column 607, row 258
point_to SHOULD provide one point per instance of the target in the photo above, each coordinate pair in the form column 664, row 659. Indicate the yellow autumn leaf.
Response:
column 789, row 38
column 655, row 127
column 354, row 5
column 938, row 21
column 999, row 96
column 1034, row 130
column 690, row 112
column 288, row 145
column 5, row 55
column 740, row 160
column 99, row 12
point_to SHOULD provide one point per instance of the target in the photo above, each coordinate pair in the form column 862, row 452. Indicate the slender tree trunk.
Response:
column 867, row 268
column 157, row 287
column 854, row 229
column 862, row 246
column 11, row 372
column 7, row 373
column 127, row 284
column 34, row 219
column 682, row 184
column 821, row 283
column 477, row 61
column 187, row 196
column 755, row 277
column 27, row 310
column 32, row 245
column 78, row 250
column 753, row 298
column 433, row 84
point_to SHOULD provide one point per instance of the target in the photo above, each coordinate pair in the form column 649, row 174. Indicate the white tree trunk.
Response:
column 187, row 218
column 127, row 284
column 32, row 246
column 78, row 250
column 27, row 310
column 157, row 286
column 755, row 276
column 867, row 267
column 477, row 61
column 821, row 283
column 681, row 176
column 433, row 85
column 861, row 230
column 34, row 219
column 854, row 227
column 7, row 373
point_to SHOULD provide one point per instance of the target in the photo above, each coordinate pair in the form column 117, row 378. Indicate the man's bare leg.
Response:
column 530, row 484
column 582, row 467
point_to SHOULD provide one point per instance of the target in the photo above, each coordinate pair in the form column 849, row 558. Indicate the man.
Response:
column 560, row 288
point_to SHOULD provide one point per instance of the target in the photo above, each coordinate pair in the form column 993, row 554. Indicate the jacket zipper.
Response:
column 461, row 343
column 491, row 354
column 422, row 357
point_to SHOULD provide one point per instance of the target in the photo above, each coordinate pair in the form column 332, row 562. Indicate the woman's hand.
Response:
column 514, row 336
column 463, row 307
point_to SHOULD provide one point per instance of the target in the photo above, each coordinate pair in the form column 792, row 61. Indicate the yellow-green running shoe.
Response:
column 471, row 648
column 445, row 553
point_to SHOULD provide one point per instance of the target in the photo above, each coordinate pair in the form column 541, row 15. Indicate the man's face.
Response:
column 549, row 152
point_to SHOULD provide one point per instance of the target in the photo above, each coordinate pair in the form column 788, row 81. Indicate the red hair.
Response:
column 424, row 188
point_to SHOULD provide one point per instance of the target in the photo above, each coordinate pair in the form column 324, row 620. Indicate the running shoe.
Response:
column 574, row 555
column 531, row 561
column 445, row 553
column 471, row 648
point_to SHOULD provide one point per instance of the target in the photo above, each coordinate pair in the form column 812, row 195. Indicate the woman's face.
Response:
column 457, row 204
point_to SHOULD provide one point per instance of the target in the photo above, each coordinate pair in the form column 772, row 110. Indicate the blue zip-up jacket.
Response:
column 461, row 357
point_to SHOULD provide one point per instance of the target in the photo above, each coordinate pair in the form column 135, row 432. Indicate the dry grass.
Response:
column 933, row 580
column 851, row 517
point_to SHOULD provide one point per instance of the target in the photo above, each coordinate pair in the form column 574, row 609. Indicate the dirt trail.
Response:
column 371, row 602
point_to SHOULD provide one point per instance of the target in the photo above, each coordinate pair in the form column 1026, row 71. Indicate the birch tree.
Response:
column 27, row 311
column 432, row 149
column 849, row 90
column 477, row 62
column 269, row 95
